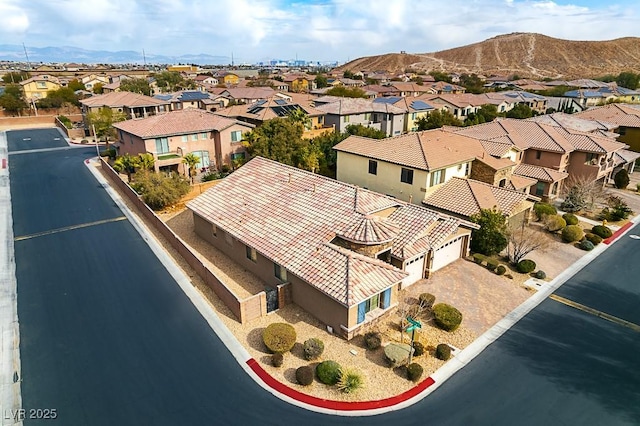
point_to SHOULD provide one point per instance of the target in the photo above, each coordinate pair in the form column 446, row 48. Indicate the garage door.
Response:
column 415, row 268
column 448, row 253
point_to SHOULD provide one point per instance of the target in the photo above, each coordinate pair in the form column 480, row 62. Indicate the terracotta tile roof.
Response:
column 618, row 114
column 624, row 156
column 519, row 183
column 571, row 121
column 498, row 148
column 179, row 122
column 122, row 99
column 291, row 216
column 589, row 142
column 370, row 230
column 346, row 106
column 427, row 150
column 543, row 174
column 466, row 197
column 496, row 163
column 249, row 92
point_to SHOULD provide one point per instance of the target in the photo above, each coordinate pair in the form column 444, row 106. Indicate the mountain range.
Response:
column 66, row 54
column 525, row 54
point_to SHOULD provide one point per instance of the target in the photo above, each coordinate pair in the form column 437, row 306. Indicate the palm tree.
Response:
column 147, row 161
column 191, row 160
column 300, row 116
column 126, row 163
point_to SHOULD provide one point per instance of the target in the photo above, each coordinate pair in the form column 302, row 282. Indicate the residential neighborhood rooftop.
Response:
column 119, row 99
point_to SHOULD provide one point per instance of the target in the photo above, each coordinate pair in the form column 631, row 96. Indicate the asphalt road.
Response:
column 108, row 337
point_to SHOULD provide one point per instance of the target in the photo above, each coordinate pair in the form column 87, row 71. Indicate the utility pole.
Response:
column 27, row 56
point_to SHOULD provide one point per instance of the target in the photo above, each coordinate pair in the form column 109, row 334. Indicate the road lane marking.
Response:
column 69, row 228
column 600, row 314
column 38, row 150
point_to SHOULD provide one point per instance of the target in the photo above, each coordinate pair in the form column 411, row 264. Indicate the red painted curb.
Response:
column 618, row 233
column 337, row 405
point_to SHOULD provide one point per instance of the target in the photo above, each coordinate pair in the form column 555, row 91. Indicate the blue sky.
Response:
column 325, row 30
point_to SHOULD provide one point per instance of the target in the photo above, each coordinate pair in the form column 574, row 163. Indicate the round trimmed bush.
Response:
column 570, row 218
column 586, row 245
column 279, row 337
column 541, row 275
column 304, row 375
column 492, row 264
column 544, row 209
column 414, row 371
column 418, row 349
column 443, row 351
column 526, row 266
column 313, row 348
column 501, row 270
column 446, row 316
column 426, row 300
column 572, row 233
column 554, row 223
column 595, row 239
column 277, row 359
column 372, row 340
column 602, row 231
column 328, row 372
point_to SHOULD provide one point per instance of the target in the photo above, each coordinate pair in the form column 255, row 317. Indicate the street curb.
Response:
column 618, row 233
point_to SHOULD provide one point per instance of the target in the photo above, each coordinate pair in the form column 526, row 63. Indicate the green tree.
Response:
column 12, row 100
column 348, row 74
column 621, row 179
column 147, row 162
column 76, row 84
column 440, row 76
column 98, row 88
column 102, row 120
column 126, row 163
column 321, row 81
column 300, row 116
column 260, row 82
column 472, row 83
column 492, row 237
column 191, row 160
column 278, row 139
column 136, row 85
column 159, row 190
column 437, row 119
column 170, row 81
column 347, row 92
column 367, row 132
column 520, row 111
column 485, row 114
column 629, row 80
column 59, row 97
column 14, row 77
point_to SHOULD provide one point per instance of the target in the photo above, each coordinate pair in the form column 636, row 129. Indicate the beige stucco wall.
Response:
column 552, row 160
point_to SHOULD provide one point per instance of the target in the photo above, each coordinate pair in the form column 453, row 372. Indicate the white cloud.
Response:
column 312, row 29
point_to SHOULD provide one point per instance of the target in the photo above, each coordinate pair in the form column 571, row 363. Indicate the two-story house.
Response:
column 36, row 87
column 624, row 118
column 342, row 112
column 416, row 109
column 169, row 137
column 133, row 105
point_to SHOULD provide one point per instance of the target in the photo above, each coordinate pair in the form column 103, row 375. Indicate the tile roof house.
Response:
column 624, row 117
column 36, row 87
column 415, row 108
column 466, row 197
column 215, row 140
column 345, row 251
column 134, row 105
column 342, row 112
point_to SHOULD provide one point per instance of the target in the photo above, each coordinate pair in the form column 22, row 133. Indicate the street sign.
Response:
column 414, row 323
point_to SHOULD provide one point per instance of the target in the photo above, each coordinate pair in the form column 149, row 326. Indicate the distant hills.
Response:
column 13, row 52
column 525, row 54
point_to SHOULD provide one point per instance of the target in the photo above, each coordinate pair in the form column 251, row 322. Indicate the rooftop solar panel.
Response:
column 280, row 102
column 387, row 100
column 420, row 105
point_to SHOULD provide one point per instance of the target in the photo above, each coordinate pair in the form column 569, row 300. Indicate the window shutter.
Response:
column 386, row 298
column 362, row 310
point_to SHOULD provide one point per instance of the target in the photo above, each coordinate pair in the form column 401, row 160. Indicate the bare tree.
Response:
column 582, row 192
column 525, row 240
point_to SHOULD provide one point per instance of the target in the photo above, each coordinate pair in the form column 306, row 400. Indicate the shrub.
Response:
column 491, row 237
column 446, row 316
column 593, row 238
column 526, row 266
column 617, row 210
column 414, row 371
column 570, row 218
column 443, row 351
column 350, row 380
column 554, row 223
column 372, row 340
column 304, row 375
column 602, row 231
column 313, row 348
column 492, row 264
column 479, row 258
column 541, row 275
column 418, row 349
column 544, row 209
column 501, row 270
column 572, row 233
column 328, row 372
column 277, row 359
column 209, row 176
column 111, row 153
column 586, row 245
column 621, row 179
column 159, row 190
column 426, row 300
column 279, row 337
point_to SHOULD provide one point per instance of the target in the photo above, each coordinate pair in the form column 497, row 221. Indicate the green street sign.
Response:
column 414, row 323
column 411, row 328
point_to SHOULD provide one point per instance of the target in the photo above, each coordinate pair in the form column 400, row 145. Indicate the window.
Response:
column 162, row 145
column 236, row 136
column 41, row 85
column 538, row 155
column 345, row 119
column 185, row 138
column 203, row 136
column 373, row 167
column 591, row 158
column 280, row 272
column 194, row 137
column 540, row 189
column 238, row 156
column 502, row 183
column 367, row 116
column 406, row 176
column 437, row 177
column 380, row 300
column 413, row 115
column 554, row 188
column 251, row 254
